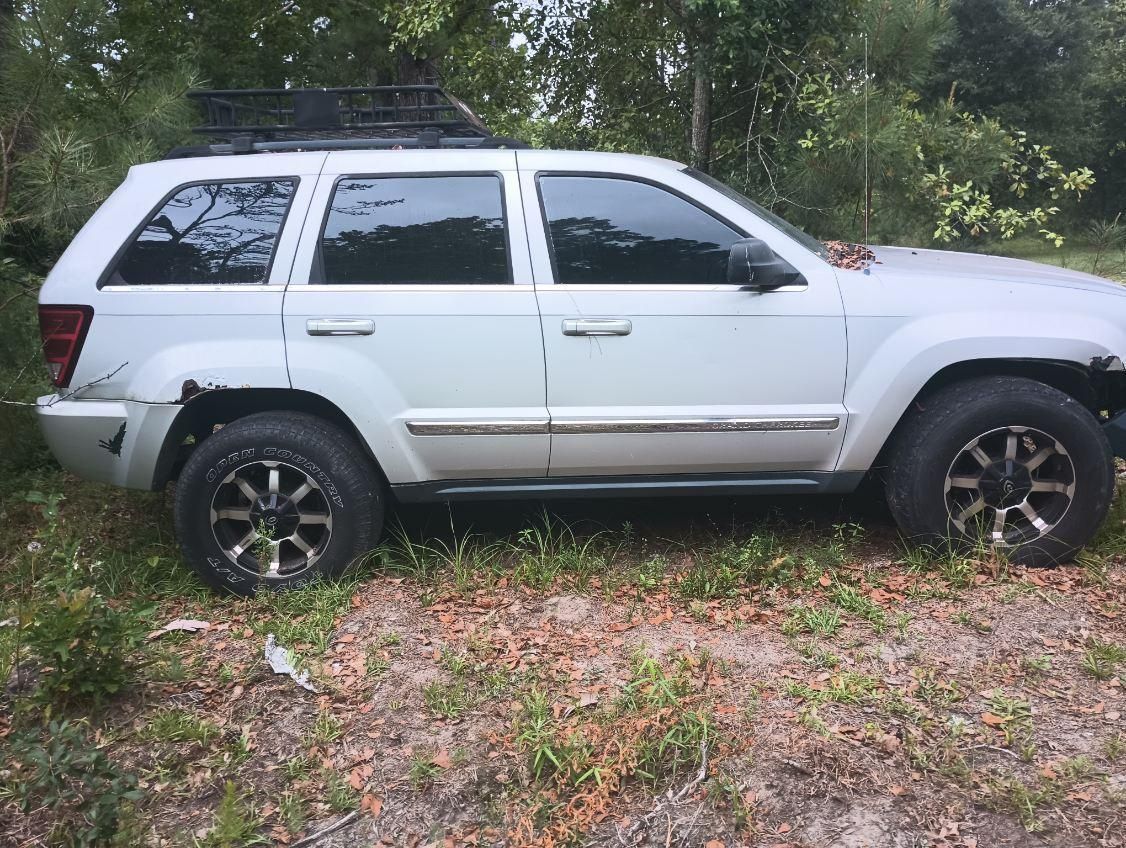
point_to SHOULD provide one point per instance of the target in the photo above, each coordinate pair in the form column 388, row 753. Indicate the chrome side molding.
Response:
column 621, row 426
column 477, row 428
column 693, row 425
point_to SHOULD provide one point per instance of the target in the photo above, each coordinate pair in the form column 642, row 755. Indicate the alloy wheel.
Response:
column 1010, row 486
column 271, row 518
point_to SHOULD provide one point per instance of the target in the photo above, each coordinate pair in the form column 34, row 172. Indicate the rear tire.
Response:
column 278, row 500
column 1005, row 461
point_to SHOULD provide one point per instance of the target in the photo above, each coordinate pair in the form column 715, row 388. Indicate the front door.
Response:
column 412, row 310
column 655, row 364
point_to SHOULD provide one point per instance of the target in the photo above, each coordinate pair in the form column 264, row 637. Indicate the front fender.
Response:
column 891, row 359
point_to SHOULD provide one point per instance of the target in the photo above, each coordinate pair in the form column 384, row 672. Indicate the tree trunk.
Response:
column 414, row 71
column 701, row 153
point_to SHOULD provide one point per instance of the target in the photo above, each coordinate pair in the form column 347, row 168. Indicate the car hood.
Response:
column 898, row 262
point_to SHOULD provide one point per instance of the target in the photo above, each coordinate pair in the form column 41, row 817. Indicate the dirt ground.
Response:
column 697, row 673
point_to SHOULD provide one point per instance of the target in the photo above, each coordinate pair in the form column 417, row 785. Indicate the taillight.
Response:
column 63, row 329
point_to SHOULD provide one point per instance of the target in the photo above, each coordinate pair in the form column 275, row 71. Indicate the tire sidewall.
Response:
column 354, row 502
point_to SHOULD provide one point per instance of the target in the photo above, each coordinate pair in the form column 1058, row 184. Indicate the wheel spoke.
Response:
column 274, row 487
column 301, row 491
column 981, row 456
column 247, row 489
column 314, row 518
column 972, row 510
column 1038, row 458
column 999, row 524
column 275, row 558
column 1030, row 513
column 964, row 482
column 234, row 514
column 1051, row 486
column 304, row 546
column 245, row 542
column 1011, row 446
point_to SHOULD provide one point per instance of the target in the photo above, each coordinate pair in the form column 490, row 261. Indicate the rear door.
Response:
column 655, row 364
column 412, row 309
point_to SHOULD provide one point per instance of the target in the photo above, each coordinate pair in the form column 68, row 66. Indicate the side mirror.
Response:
column 754, row 266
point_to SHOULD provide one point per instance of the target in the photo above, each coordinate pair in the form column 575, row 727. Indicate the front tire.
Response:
column 1003, row 461
column 276, row 500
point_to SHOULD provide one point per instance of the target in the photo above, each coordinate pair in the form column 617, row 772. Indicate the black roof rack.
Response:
column 287, row 119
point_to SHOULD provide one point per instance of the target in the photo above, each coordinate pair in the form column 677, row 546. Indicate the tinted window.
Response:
column 606, row 230
column 415, row 230
column 213, row 233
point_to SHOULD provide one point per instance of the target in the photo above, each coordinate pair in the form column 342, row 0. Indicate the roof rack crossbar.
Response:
column 283, row 128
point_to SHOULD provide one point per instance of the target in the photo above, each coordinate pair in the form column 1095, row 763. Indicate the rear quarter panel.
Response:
column 146, row 342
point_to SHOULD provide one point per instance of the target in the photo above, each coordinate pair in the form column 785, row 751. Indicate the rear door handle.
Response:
column 339, row 327
column 597, row 327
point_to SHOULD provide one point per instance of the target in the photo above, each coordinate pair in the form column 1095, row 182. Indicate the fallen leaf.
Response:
column 993, row 720
column 442, row 759
column 372, row 803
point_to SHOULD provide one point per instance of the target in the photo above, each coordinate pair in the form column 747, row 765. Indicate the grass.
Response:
column 181, row 726
column 1012, row 716
column 846, row 687
column 236, row 822
column 326, row 728
column 1101, row 659
column 423, row 770
column 853, row 601
column 824, row 621
column 448, row 700
column 303, row 619
column 1075, row 254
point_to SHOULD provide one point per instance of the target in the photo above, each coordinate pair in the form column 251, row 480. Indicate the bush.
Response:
column 64, row 775
column 85, row 645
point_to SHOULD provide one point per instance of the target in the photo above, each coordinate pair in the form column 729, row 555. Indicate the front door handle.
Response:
column 597, row 327
column 339, row 327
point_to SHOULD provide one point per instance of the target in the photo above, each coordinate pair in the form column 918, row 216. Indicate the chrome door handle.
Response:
column 339, row 327
column 597, row 327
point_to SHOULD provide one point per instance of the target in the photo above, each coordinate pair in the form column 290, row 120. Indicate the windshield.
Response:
column 803, row 238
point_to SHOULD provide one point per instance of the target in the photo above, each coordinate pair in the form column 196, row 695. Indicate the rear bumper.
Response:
column 110, row 441
column 1115, row 430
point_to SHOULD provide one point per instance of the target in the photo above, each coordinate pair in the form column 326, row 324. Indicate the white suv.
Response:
column 298, row 337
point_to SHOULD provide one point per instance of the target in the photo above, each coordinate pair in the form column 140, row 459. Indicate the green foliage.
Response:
column 86, row 646
column 63, row 772
column 236, row 822
column 75, row 112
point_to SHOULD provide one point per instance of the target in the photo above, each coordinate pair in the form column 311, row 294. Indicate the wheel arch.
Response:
column 1099, row 389
column 201, row 414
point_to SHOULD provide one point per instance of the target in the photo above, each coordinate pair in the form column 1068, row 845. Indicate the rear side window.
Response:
column 618, row 231
column 213, row 233
column 427, row 229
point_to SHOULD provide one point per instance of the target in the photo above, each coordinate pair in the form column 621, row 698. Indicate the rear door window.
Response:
column 419, row 229
column 211, row 233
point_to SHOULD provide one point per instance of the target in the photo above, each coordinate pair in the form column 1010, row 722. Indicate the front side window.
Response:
column 427, row 229
column 619, row 231
column 214, row 233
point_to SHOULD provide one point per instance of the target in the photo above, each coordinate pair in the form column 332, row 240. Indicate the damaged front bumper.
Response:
column 110, row 441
